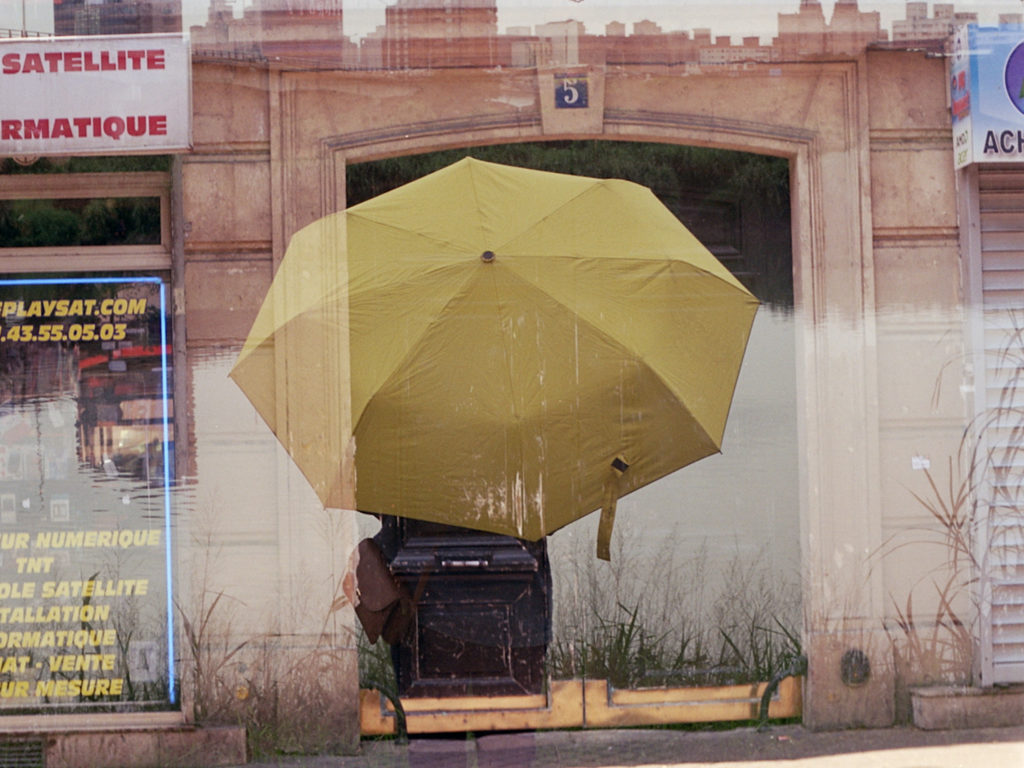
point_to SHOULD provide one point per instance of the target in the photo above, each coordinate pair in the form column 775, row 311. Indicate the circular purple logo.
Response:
column 1013, row 77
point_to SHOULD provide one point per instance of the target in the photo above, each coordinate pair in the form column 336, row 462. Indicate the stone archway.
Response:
column 872, row 192
column 812, row 113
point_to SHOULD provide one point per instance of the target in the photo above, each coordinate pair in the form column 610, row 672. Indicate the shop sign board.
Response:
column 86, row 472
column 99, row 94
column 987, row 94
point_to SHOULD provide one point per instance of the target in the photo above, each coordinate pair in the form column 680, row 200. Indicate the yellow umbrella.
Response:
column 511, row 349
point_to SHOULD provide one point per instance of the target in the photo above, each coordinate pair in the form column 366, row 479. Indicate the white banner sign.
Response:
column 95, row 95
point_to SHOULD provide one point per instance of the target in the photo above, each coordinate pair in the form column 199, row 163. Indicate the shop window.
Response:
column 86, row 467
column 83, row 221
column 86, row 443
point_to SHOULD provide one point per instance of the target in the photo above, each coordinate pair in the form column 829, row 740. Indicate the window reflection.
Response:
column 85, row 467
column 87, row 17
column 79, row 221
column 407, row 34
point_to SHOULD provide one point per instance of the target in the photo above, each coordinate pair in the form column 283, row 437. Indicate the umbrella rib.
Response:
column 413, row 344
column 448, row 243
column 584, row 190
column 662, row 264
column 597, row 187
column 557, row 210
column 634, row 353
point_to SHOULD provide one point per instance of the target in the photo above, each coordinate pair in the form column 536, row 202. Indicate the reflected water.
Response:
column 714, row 546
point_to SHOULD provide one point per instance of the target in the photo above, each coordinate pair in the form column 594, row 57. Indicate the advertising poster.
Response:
column 86, row 466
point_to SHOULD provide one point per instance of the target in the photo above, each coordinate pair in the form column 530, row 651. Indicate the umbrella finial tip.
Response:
column 487, row 257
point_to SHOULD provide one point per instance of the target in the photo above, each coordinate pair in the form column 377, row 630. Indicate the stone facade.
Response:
column 874, row 225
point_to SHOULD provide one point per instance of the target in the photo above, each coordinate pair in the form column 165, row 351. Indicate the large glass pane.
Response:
column 83, row 221
column 86, row 464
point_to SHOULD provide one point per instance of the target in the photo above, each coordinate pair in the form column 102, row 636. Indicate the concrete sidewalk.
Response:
column 780, row 747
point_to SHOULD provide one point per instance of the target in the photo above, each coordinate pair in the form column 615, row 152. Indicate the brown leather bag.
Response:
column 383, row 606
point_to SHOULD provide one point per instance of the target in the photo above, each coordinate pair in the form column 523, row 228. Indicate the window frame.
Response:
column 97, row 258
column 91, row 258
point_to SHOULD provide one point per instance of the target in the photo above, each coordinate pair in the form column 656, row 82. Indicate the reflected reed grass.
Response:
column 671, row 623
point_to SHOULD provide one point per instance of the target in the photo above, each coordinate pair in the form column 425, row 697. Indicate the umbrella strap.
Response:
column 421, row 586
column 611, row 500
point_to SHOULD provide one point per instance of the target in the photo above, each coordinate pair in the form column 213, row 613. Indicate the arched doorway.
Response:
column 704, row 583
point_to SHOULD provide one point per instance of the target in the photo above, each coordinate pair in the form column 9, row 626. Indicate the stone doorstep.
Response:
column 944, row 707
column 184, row 746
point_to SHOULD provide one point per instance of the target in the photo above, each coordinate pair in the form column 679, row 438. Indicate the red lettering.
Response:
column 136, row 126
column 32, row 63
column 113, row 127
column 82, row 61
column 106, row 62
column 37, row 129
column 82, row 124
column 61, row 128
column 10, row 130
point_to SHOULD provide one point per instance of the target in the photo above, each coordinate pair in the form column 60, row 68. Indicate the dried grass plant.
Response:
column 974, row 512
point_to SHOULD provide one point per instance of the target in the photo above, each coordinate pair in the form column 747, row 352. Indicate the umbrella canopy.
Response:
column 516, row 348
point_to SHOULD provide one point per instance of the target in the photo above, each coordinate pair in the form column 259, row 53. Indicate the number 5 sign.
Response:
column 570, row 91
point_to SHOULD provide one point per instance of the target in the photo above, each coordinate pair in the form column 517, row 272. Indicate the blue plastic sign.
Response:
column 987, row 94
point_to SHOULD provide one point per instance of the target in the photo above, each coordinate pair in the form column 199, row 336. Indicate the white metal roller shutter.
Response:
column 1001, row 209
